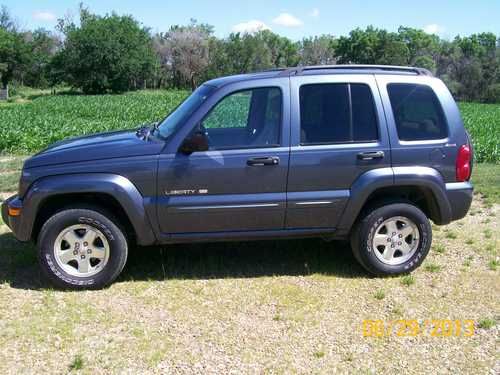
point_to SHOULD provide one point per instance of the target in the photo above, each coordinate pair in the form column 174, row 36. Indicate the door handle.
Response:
column 261, row 161
column 370, row 155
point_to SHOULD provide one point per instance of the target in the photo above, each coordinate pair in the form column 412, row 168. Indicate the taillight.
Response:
column 463, row 167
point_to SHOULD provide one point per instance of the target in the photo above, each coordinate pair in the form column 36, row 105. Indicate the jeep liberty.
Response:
column 358, row 152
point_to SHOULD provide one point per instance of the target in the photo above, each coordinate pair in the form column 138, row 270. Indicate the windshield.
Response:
column 177, row 117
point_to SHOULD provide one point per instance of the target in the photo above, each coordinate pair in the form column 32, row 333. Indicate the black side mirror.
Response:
column 198, row 141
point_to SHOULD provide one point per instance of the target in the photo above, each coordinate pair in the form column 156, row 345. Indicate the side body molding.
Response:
column 374, row 179
column 116, row 186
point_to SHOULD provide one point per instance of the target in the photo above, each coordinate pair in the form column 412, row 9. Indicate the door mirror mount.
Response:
column 197, row 141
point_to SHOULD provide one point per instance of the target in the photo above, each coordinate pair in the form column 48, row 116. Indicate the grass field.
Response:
column 30, row 126
column 38, row 119
column 259, row 307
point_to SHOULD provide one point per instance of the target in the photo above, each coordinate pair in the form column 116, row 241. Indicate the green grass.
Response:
column 408, row 280
column 486, row 323
column 486, row 179
column 483, row 123
column 451, row 235
column 493, row 264
column 468, row 261
column 76, row 364
column 433, row 268
column 319, row 354
column 439, row 248
column 9, row 181
column 33, row 118
column 380, row 294
column 29, row 127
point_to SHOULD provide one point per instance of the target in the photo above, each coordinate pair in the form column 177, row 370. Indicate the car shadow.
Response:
column 19, row 266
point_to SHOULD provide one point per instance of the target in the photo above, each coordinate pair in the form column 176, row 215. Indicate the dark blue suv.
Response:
column 366, row 153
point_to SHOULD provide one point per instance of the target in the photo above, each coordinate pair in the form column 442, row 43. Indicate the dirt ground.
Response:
column 262, row 307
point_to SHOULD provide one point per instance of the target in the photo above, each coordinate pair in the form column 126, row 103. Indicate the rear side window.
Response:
column 417, row 112
column 337, row 113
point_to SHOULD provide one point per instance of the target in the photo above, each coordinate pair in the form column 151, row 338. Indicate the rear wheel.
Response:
column 392, row 239
column 82, row 249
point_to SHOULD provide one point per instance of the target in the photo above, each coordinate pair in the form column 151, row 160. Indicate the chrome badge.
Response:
column 186, row 192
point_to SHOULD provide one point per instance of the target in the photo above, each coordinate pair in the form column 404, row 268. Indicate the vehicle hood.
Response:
column 100, row 146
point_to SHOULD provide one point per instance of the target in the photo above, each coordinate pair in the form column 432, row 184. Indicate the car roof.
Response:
column 319, row 70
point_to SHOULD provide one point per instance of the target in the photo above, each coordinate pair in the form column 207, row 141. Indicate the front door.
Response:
column 239, row 184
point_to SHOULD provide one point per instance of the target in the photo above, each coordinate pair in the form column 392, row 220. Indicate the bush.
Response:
column 493, row 94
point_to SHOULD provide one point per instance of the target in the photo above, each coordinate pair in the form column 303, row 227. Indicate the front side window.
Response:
column 337, row 113
column 245, row 119
column 417, row 112
column 177, row 118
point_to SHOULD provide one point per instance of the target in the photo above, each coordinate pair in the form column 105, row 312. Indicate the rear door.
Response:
column 239, row 184
column 338, row 132
column 420, row 132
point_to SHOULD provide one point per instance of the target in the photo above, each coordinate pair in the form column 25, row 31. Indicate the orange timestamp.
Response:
column 414, row 327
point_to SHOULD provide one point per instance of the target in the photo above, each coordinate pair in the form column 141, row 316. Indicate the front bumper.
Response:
column 13, row 222
column 460, row 197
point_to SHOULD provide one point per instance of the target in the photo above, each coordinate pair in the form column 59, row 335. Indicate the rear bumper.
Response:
column 460, row 197
column 14, row 222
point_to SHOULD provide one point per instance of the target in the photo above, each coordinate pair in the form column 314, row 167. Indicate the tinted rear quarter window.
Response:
column 417, row 112
column 337, row 113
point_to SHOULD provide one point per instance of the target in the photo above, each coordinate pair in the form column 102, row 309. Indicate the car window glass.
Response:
column 417, row 112
column 245, row 119
column 231, row 112
column 337, row 113
column 176, row 118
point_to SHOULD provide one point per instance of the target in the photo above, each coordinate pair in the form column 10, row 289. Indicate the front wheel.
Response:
column 82, row 249
column 392, row 239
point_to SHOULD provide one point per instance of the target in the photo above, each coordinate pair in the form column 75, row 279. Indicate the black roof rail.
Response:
column 384, row 68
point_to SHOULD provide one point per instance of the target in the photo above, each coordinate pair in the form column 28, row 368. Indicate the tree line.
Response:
column 114, row 53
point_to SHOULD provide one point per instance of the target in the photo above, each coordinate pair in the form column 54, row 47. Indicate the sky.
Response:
column 294, row 19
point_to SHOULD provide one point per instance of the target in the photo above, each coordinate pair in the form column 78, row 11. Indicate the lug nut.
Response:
column 400, row 236
column 399, row 243
column 85, row 244
column 75, row 252
column 393, row 233
column 82, row 256
column 89, row 251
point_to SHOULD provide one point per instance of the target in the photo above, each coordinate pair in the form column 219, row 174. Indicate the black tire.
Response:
column 363, row 232
column 105, row 223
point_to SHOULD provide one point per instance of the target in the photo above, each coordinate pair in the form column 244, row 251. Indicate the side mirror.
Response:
column 198, row 141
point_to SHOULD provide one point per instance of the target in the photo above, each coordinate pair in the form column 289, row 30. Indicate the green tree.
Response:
column 422, row 47
column 14, row 51
column 110, row 53
column 470, row 66
column 318, row 50
column 372, row 46
column 42, row 45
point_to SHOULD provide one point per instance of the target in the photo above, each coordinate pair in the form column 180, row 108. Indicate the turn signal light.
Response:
column 14, row 211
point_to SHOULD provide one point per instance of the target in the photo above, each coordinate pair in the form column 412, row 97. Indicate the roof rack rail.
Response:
column 387, row 68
